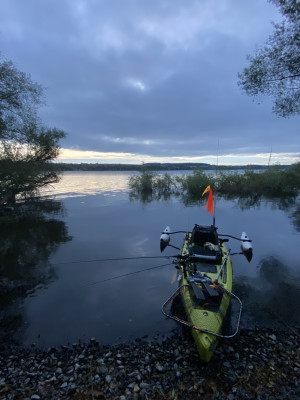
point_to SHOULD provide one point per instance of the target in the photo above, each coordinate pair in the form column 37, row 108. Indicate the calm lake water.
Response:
column 67, row 298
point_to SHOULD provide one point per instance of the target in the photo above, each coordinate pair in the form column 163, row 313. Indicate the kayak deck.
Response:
column 205, row 290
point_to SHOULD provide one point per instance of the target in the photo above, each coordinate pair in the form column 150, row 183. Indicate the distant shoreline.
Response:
column 155, row 167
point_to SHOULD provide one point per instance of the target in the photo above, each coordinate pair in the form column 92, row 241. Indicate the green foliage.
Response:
column 274, row 182
column 19, row 99
column 164, row 184
column 149, row 185
column 142, row 183
column 194, row 185
column 26, row 146
column 275, row 69
column 23, row 178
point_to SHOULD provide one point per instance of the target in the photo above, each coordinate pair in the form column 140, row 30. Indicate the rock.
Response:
column 146, row 369
column 102, row 369
column 159, row 368
column 144, row 385
column 136, row 388
column 131, row 385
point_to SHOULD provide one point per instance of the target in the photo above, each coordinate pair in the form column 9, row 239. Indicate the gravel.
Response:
column 257, row 364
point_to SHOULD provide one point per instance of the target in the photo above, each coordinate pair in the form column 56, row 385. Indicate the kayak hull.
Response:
column 208, row 316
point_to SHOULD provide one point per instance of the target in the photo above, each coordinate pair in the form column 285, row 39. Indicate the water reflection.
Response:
column 28, row 235
column 296, row 217
column 105, row 224
column 272, row 299
column 85, row 183
column 291, row 205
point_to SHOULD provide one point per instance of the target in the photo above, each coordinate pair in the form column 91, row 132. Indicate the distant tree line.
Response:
column 151, row 167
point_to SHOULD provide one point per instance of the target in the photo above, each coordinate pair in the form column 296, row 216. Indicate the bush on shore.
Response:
column 270, row 183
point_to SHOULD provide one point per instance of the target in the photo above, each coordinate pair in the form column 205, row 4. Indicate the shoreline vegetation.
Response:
column 271, row 182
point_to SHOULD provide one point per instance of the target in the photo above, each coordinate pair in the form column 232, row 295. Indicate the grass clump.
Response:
column 149, row 186
column 193, row 185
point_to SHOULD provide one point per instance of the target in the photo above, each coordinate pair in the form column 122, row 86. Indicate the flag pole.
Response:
column 215, row 198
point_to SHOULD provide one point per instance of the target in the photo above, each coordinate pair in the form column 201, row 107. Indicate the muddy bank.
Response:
column 260, row 364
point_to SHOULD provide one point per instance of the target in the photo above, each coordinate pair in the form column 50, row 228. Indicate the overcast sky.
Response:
column 141, row 80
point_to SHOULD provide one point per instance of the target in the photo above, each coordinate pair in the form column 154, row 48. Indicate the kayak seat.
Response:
column 201, row 236
column 204, row 234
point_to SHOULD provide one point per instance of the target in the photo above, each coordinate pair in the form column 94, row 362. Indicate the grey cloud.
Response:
column 162, row 71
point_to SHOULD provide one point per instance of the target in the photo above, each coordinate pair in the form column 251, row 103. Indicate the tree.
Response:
column 26, row 146
column 274, row 70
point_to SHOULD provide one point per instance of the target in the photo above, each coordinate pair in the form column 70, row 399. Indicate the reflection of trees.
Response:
column 273, row 298
column 296, row 217
column 284, row 203
column 145, row 198
column 28, row 235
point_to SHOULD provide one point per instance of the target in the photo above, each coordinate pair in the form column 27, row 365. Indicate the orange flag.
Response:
column 210, row 201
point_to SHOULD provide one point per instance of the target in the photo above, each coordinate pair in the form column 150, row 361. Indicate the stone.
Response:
column 159, row 368
column 136, row 388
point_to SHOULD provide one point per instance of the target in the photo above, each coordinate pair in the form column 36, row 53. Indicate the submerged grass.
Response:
column 273, row 182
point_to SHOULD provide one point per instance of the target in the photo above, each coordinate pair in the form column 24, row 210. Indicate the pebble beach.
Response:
column 257, row 364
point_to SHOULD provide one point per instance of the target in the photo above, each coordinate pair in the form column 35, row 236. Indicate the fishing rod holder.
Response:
column 222, row 266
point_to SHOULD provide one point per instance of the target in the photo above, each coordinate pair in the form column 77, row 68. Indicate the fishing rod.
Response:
column 110, row 259
column 127, row 274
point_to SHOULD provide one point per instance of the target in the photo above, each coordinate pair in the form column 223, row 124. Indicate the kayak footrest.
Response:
column 182, row 320
column 200, row 297
column 204, row 293
column 211, row 291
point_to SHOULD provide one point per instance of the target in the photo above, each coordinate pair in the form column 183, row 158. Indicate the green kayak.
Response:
column 205, row 289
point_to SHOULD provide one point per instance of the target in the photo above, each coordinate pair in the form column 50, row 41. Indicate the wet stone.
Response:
column 149, row 370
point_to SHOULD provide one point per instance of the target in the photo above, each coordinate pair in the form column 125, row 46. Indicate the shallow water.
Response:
column 66, row 301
